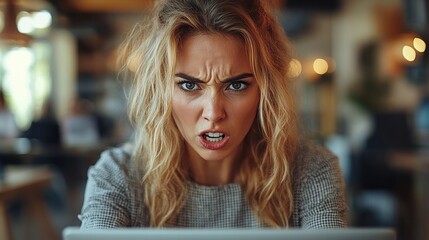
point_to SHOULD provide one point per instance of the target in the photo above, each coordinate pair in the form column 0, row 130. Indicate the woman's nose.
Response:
column 213, row 107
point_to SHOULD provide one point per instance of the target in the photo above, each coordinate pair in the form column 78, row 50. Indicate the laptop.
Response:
column 74, row 233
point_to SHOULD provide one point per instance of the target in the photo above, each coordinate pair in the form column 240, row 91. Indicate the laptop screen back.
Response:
column 74, row 233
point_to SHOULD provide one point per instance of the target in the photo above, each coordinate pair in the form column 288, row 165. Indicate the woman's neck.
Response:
column 214, row 172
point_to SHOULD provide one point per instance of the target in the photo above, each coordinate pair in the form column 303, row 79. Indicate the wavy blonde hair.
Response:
column 150, row 51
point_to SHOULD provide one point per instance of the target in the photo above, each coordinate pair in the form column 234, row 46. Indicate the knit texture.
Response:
column 114, row 196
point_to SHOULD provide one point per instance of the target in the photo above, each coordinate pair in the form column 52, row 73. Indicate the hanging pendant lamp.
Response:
column 10, row 34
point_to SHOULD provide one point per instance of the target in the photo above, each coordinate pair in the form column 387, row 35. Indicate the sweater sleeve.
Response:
column 106, row 200
column 320, row 195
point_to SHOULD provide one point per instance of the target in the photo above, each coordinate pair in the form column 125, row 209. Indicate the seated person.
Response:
column 8, row 127
column 216, row 142
column 80, row 129
column 45, row 130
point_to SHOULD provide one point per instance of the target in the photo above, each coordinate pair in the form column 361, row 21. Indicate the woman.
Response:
column 216, row 137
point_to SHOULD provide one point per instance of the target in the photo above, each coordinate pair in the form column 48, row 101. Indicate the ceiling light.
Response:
column 10, row 33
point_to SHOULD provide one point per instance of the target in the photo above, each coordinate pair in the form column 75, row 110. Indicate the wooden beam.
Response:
column 110, row 6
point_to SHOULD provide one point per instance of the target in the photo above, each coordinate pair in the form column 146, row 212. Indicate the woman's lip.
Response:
column 213, row 145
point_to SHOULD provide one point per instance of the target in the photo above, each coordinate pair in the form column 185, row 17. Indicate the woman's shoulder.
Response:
column 318, row 188
column 311, row 156
column 116, row 161
column 113, row 186
column 118, row 155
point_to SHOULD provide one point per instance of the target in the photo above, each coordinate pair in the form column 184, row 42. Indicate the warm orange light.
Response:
column 419, row 44
column 409, row 53
column 295, row 68
column 320, row 66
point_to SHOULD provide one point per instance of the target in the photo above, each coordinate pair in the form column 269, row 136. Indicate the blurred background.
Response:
column 361, row 73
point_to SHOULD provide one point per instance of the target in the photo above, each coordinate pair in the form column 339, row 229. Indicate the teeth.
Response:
column 214, row 136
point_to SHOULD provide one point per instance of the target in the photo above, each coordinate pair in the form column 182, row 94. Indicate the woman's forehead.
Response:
column 212, row 55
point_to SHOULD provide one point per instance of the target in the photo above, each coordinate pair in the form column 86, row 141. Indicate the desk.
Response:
column 27, row 183
column 416, row 162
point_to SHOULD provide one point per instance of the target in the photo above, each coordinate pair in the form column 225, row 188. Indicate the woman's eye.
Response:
column 188, row 86
column 237, row 86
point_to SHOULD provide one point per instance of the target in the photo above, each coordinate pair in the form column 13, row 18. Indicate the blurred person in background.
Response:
column 216, row 136
column 79, row 128
column 8, row 127
column 45, row 130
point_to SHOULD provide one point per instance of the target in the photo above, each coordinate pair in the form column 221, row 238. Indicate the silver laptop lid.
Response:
column 74, row 233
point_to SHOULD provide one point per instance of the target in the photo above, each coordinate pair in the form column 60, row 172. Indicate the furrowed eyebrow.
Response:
column 227, row 80
column 238, row 77
column 189, row 78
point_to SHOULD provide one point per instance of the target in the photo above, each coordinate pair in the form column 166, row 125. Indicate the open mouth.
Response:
column 213, row 136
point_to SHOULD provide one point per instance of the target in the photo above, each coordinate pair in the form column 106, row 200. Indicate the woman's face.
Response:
column 215, row 96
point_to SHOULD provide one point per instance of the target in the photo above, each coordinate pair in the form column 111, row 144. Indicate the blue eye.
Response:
column 237, row 86
column 188, row 86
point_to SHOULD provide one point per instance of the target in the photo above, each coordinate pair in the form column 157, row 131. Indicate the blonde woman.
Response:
column 216, row 138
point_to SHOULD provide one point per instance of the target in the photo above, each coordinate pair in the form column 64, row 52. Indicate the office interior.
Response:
column 360, row 69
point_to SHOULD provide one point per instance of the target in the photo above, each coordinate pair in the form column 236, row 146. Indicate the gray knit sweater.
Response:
column 114, row 196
